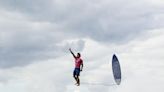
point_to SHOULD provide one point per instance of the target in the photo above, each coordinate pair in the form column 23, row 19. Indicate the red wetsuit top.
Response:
column 78, row 62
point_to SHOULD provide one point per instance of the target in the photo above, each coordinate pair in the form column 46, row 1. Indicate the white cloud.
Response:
column 35, row 37
column 140, row 69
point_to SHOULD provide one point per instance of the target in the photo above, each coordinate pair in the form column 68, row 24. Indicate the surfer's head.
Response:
column 78, row 55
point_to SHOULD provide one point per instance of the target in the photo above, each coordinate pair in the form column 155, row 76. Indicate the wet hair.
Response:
column 79, row 54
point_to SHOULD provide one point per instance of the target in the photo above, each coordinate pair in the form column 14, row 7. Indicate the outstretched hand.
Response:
column 70, row 49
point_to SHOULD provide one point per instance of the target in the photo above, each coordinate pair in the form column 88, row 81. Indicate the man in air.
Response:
column 78, row 67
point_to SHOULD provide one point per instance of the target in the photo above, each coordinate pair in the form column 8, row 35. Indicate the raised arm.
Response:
column 72, row 53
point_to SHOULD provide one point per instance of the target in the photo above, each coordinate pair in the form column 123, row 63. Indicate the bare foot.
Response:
column 78, row 84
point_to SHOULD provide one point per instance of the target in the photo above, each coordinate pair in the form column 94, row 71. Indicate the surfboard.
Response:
column 116, row 69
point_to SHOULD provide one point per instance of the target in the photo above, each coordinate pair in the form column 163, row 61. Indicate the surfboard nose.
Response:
column 116, row 69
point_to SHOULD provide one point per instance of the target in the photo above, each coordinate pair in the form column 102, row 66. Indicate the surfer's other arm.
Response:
column 72, row 53
column 81, row 68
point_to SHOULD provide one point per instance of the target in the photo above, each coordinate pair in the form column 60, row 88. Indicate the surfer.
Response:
column 78, row 67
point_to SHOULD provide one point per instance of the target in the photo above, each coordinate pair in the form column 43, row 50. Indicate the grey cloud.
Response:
column 21, row 48
column 110, row 22
column 116, row 22
column 113, row 24
column 23, row 42
column 28, row 48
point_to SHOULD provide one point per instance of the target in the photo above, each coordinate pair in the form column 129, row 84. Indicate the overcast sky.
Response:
column 35, row 36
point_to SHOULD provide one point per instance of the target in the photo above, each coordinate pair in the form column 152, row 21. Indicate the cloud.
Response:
column 31, row 30
column 42, row 76
column 26, row 42
column 105, row 21
column 35, row 37
column 139, row 71
column 23, row 41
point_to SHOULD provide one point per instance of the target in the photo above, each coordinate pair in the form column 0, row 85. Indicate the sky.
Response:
column 35, row 36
